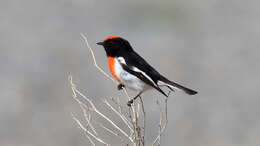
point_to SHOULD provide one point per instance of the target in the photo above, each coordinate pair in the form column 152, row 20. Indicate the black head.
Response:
column 116, row 46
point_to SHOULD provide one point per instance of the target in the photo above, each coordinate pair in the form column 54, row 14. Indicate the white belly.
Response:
column 129, row 80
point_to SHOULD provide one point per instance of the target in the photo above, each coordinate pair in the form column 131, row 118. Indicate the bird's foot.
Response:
column 130, row 102
column 120, row 86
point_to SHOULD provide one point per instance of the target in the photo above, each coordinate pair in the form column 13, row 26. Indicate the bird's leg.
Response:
column 170, row 88
column 120, row 86
column 132, row 100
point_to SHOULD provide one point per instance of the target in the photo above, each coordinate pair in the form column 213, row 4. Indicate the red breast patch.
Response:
column 111, row 65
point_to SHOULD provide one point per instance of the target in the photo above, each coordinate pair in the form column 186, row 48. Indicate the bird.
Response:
column 133, row 72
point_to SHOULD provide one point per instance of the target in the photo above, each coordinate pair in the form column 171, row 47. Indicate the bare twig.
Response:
column 87, row 117
column 87, row 131
column 110, row 131
column 94, row 58
column 120, row 115
column 144, row 117
column 93, row 107
column 91, row 141
column 162, row 126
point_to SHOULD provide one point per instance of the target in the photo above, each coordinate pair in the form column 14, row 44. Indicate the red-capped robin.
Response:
column 132, row 71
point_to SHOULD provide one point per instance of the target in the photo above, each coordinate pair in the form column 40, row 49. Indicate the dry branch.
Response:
column 93, row 108
column 87, row 131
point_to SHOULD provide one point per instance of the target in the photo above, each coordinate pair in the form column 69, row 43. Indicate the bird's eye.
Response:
column 110, row 43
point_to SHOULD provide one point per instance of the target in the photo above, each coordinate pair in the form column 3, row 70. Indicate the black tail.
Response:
column 175, row 85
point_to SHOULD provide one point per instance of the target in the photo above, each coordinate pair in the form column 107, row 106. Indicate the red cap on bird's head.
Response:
column 111, row 37
column 108, row 38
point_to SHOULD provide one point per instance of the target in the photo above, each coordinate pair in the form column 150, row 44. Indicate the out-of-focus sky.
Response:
column 211, row 46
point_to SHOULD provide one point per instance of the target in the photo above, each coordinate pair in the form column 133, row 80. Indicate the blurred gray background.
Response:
column 209, row 45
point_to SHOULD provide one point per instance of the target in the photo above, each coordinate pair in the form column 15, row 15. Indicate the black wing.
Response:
column 142, row 77
column 133, row 59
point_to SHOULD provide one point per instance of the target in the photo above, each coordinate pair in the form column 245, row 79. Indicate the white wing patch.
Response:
column 130, row 80
column 122, row 60
column 161, row 83
column 138, row 70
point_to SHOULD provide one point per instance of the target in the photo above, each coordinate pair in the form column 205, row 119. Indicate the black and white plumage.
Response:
column 132, row 71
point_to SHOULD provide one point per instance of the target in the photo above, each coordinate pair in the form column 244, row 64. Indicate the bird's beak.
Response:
column 101, row 43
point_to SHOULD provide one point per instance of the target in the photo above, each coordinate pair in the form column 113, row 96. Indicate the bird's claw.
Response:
column 120, row 86
column 130, row 102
